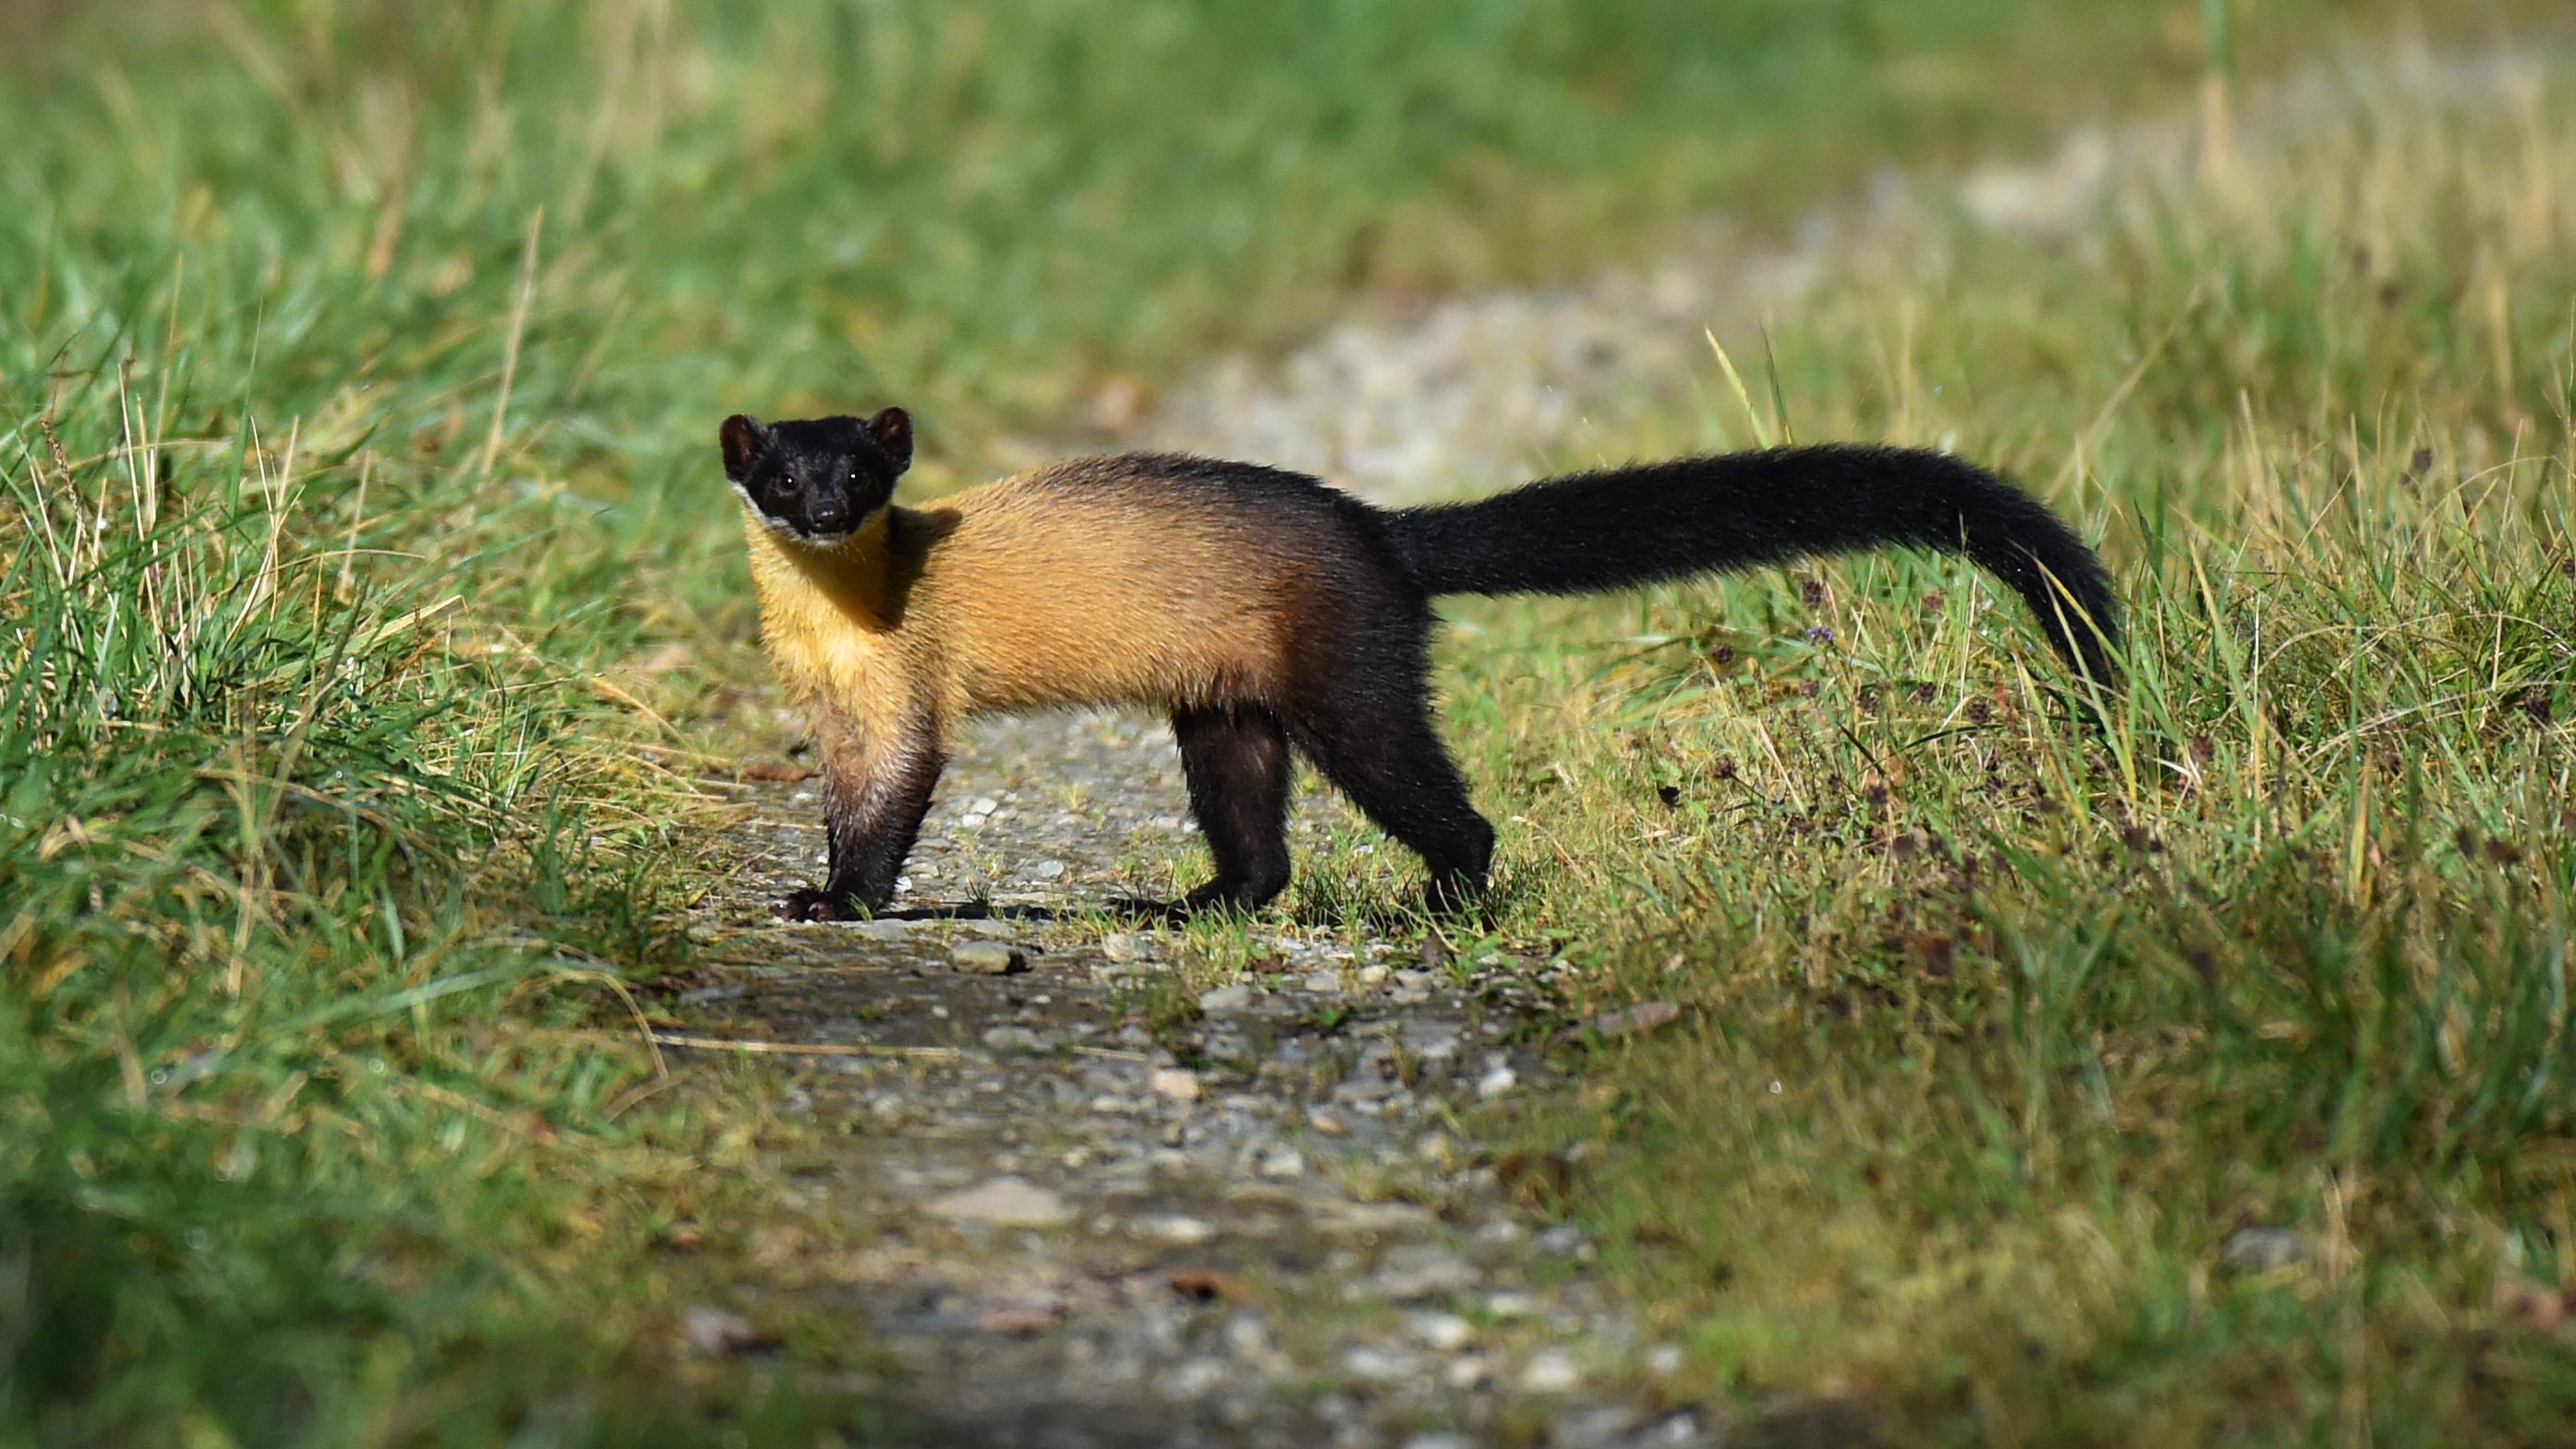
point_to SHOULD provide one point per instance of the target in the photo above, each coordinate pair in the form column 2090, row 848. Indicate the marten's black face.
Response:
column 817, row 481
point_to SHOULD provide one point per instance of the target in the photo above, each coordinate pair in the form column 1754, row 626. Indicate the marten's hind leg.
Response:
column 875, row 793
column 1236, row 762
column 1373, row 736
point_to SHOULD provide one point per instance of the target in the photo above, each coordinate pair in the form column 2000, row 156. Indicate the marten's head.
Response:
column 817, row 481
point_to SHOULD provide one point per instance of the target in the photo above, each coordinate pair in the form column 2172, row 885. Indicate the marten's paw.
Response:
column 812, row 906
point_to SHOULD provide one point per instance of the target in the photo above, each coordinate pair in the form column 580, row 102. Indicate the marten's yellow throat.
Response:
column 1265, row 612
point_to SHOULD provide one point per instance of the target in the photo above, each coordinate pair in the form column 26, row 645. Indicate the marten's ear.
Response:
column 892, row 428
column 743, row 440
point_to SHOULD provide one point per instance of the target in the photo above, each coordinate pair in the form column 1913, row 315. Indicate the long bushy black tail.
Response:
column 1658, row 521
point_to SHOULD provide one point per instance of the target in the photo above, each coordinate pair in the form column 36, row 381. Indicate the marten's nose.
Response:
column 827, row 513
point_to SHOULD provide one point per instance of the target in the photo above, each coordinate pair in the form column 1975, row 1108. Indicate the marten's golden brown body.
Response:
column 1060, row 587
column 1262, row 610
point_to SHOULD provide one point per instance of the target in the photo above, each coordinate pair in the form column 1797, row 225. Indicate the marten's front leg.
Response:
column 876, row 788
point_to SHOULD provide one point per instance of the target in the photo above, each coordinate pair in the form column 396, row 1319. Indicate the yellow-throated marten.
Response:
column 1265, row 610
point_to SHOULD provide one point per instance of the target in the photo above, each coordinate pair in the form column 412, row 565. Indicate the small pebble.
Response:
column 714, row 1333
column 1195, row 1379
column 1283, row 1162
column 1178, row 1084
column 1323, row 982
column 1125, row 947
column 1225, row 998
column 1421, row 1270
column 1177, row 1229
column 1442, row 1332
column 1047, row 870
column 2259, row 1250
column 1549, row 1371
column 987, row 958
column 1368, row 1361
column 1498, row 1079
column 1012, row 1039
column 1003, row 1202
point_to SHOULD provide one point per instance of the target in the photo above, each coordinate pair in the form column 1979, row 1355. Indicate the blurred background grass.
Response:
column 358, row 365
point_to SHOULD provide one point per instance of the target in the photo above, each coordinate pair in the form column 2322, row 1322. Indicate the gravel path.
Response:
column 1110, row 1195
column 1248, row 1219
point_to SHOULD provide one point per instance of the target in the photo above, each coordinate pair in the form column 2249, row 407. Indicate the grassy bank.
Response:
column 356, row 363
column 2193, row 1071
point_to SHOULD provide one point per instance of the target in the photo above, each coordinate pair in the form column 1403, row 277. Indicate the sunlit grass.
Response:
column 2007, row 1012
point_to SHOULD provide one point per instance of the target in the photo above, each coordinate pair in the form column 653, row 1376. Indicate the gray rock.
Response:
column 988, row 958
column 1195, row 1379
column 1226, row 998
column 1441, row 1332
column 2259, row 1250
column 1127, row 947
column 1003, row 1202
column 1421, row 1270
column 1177, row 1229
column 1597, row 1426
column 715, row 1333
column 1013, row 1039
column 1381, row 1363
column 1549, row 1371
column 1470, row 1371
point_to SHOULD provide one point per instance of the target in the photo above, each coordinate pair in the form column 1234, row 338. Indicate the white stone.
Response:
column 1178, row 1084
column 1003, row 1202
column 1442, row 1332
column 1225, row 998
column 987, row 958
column 1177, row 1229
column 1549, row 1371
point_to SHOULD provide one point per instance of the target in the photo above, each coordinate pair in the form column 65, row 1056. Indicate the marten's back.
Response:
column 1149, row 578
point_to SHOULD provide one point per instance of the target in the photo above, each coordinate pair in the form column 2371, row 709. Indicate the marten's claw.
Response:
column 811, row 906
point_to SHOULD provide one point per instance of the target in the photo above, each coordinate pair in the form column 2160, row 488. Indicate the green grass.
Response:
column 356, row 368
column 2004, row 1013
